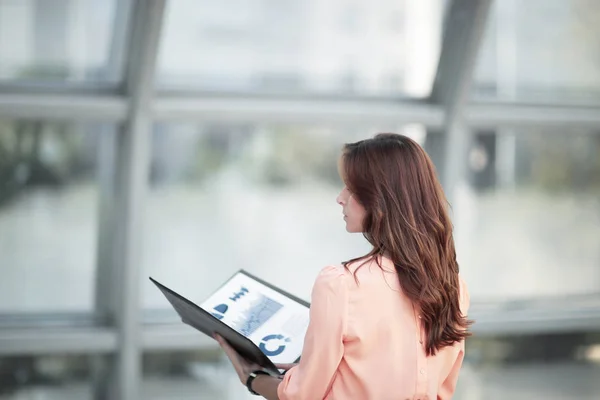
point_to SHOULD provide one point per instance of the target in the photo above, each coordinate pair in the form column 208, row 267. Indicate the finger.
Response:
column 231, row 353
column 225, row 346
column 236, row 359
column 219, row 338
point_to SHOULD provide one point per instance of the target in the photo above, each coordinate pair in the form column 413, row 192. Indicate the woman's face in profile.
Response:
column 353, row 211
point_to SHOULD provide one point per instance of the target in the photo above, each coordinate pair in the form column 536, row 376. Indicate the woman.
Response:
column 390, row 324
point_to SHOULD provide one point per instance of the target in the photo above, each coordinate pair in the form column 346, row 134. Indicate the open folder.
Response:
column 263, row 323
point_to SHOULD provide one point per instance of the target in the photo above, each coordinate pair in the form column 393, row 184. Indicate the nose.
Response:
column 339, row 200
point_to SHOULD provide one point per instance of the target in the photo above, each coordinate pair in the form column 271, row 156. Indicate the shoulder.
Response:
column 331, row 278
column 332, row 274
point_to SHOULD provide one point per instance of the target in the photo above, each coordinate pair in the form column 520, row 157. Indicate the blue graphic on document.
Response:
column 238, row 295
column 259, row 311
column 273, row 345
column 220, row 310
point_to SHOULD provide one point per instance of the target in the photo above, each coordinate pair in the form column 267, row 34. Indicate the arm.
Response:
column 323, row 344
column 448, row 387
column 266, row 386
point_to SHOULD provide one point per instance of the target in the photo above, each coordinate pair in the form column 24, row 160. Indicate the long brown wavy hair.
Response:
column 406, row 219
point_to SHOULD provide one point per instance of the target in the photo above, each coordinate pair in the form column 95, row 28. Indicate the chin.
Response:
column 351, row 229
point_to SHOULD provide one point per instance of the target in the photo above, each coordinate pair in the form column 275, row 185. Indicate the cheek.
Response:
column 357, row 209
column 356, row 216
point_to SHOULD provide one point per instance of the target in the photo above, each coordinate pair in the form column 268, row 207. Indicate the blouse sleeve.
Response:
column 323, row 343
column 448, row 387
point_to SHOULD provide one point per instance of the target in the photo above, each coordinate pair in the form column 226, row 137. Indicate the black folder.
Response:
column 202, row 320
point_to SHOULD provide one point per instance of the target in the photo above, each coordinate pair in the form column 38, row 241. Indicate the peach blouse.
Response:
column 364, row 341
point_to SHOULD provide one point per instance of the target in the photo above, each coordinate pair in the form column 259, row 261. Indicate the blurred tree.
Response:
column 297, row 155
column 36, row 153
column 564, row 161
column 44, row 72
column 216, row 146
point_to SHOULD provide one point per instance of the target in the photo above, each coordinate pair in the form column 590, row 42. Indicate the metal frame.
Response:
column 113, row 108
column 87, row 340
column 580, row 314
column 61, row 107
column 296, row 110
column 492, row 115
column 131, row 182
column 464, row 28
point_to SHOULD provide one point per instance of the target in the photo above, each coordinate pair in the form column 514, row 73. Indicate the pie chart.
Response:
column 273, row 345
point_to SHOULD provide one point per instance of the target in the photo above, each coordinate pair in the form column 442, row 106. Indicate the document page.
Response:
column 271, row 320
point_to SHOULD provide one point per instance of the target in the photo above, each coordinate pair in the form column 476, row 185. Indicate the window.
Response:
column 542, row 51
column 48, row 215
column 529, row 221
column 54, row 41
column 206, row 47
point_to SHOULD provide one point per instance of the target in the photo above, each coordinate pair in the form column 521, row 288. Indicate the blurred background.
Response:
column 186, row 139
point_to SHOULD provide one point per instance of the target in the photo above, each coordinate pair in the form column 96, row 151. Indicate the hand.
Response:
column 241, row 366
column 285, row 367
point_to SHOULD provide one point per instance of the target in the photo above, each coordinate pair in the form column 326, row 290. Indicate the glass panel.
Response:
column 528, row 222
column 48, row 215
column 54, row 377
column 60, row 40
column 531, row 367
column 191, row 375
column 261, row 198
column 297, row 46
column 541, row 50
